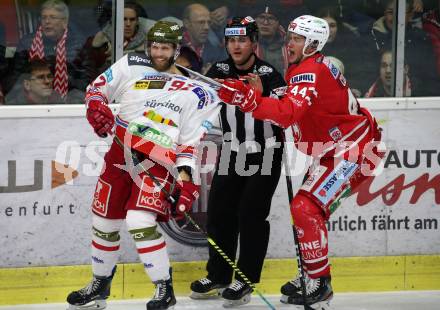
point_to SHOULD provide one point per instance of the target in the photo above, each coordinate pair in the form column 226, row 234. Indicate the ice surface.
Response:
column 409, row 300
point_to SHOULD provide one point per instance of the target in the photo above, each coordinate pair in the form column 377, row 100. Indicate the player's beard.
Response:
column 162, row 66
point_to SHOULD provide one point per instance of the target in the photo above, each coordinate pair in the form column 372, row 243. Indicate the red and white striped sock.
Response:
column 154, row 256
column 150, row 244
column 105, row 245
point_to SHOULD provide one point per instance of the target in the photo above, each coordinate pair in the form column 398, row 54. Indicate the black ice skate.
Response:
column 93, row 296
column 164, row 296
column 206, row 289
column 292, row 287
column 318, row 294
column 237, row 294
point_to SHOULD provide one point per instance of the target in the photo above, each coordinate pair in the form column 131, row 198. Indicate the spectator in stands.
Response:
column 285, row 9
column 219, row 16
column 53, row 43
column 418, row 6
column 271, row 47
column 354, row 13
column 431, row 24
column 382, row 87
column 189, row 59
column 289, row 9
column 96, row 55
column 134, row 35
column 196, row 21
column 359, row 75
column 359, row 14
column 419, row 55
column 37, row 86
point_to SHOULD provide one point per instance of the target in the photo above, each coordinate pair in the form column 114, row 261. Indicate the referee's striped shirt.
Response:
column 242, row 126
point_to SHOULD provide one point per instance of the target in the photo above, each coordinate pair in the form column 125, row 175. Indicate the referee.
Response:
column 240, row 197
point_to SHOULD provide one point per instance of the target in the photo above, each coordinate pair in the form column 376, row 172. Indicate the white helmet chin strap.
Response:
column 309, row 54
column 177, row 52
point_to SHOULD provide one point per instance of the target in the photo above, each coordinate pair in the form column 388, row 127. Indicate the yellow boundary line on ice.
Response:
column 353, row 274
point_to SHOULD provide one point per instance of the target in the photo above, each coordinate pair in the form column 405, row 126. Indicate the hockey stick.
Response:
column 295, row 232
column 170, row 198
column 137, row 161
column 228, row 260
column 198, row 76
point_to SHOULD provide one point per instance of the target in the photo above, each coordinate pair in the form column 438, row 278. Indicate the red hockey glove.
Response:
column 235, row 92
column 188, row 192
column 100, row 117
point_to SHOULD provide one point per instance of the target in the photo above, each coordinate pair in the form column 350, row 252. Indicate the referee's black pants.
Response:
column 237, row 208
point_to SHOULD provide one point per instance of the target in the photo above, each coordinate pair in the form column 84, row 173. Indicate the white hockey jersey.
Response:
column 161, row 114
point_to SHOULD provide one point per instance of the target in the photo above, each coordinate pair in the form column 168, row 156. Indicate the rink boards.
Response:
column 368, row 274
column 45, row 214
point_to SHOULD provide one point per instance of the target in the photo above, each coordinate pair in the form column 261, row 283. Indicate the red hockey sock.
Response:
column 312, row 234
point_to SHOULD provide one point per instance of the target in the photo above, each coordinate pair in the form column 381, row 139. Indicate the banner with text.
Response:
column 48, row 177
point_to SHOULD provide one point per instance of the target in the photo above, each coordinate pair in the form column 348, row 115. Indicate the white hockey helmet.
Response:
column 314, row 29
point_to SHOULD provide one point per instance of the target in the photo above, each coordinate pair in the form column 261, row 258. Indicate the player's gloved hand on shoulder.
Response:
column 100, row 117
column 235, row 92
column 187, row 193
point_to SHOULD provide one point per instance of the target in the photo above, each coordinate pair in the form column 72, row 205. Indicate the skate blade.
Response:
column 213, row 294
column 239, row 302
column 323, row 305
column 96, row 304
column 284, row 299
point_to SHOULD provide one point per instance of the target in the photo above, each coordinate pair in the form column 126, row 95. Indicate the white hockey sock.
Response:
column 150, row 244
column 105, row 245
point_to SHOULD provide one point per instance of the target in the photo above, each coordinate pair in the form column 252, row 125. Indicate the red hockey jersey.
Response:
column 320, row 107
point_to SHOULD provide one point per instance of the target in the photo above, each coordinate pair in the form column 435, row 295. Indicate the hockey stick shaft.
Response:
column 191, row 220
column 198, row 76
column 228, row 260
column 295, row 233
column 169, row 197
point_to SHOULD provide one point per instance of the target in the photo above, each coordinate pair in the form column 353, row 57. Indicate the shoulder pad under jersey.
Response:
column 204, row 95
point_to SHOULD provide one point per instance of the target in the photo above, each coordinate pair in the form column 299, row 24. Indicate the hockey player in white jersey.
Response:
column 163, row 116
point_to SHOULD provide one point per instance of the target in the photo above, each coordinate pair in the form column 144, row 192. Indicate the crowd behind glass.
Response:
column 51, row 50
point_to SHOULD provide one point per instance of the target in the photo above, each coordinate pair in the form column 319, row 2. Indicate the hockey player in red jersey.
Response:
column 328, row 124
